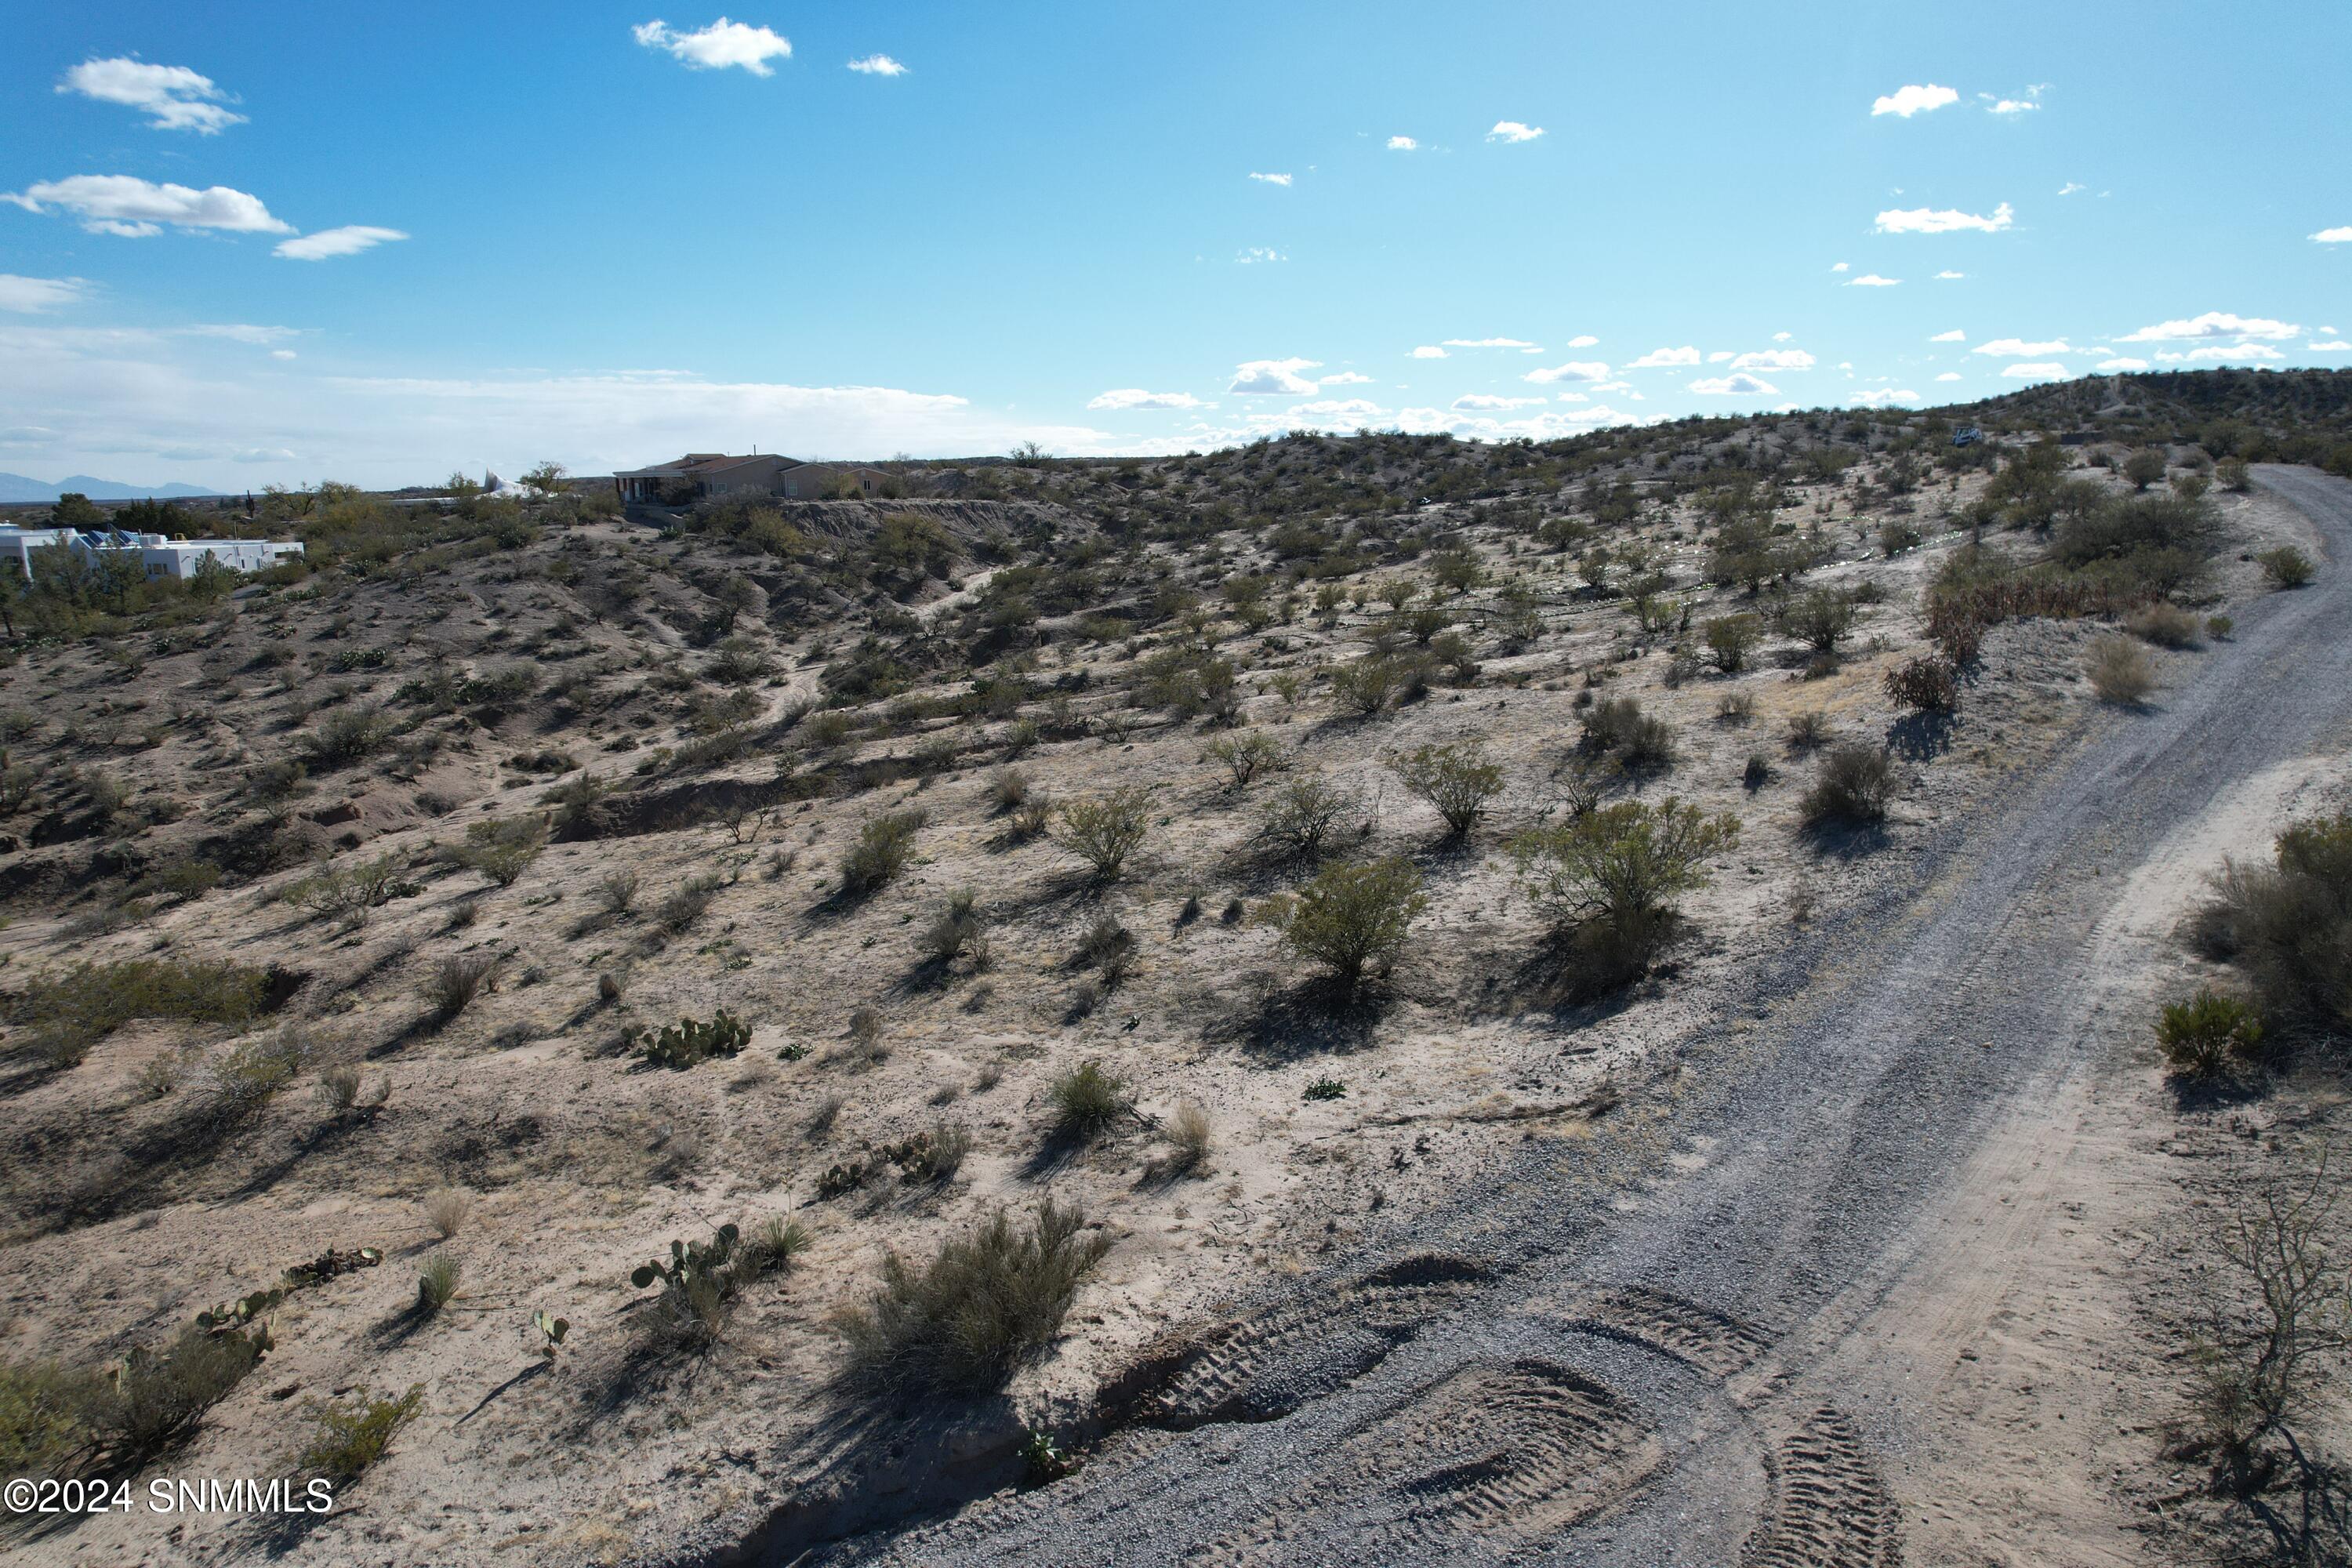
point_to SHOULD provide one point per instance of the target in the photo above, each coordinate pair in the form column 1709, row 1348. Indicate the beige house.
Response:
column 698, row 476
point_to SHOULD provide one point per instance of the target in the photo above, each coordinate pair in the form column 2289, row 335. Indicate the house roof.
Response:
column 695, row 465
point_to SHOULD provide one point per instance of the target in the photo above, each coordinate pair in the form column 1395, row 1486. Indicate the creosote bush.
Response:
column 1352, row 916
column 1247, row 755
column 1852, row 789
column 1104, row 831
column 1306, row 815
column 2288, row 926
column 2208, row 1033
column 64, row 1016
column 884, row 846
column 1730, row 639
column 502, row 850
column 1456, row 778
column 346, row 1440
column 1608, row 880
column 1615, row 726
column 983, row 1305
column 2286, row 566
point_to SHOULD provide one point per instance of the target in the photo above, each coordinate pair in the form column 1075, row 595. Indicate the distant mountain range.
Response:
column 17, row 487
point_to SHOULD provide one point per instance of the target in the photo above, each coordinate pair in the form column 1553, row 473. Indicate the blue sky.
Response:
column 623, row 231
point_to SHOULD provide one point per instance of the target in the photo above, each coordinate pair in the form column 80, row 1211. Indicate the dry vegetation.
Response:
column 1026, row 914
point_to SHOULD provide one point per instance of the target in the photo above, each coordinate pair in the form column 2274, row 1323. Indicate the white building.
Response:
column 161, row 557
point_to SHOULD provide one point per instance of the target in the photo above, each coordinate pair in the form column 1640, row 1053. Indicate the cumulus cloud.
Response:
column 1949, row 375
column 1487, row 403
column 1427, row 351
column 1490, row 344
column 1582, row 340
column 717, row 46
column 34, row 296
column 1661, row 359
column 1741, row 385
column 1841, row 266
column 2047, row 367
column 1881, row 396
column 1258, row 253
column 348, row 240
column 1773, row 359
column 126, row 206
column 1906, row 101
column 2211, row 324
column 1782, row 337
column 1944, row 220
column 1346, row 378
column 2342, row 236
column 1273, row 377
column 1514, row 131
column 1574, row 369
column 1272, row 179
column 870, row 64
column 2122, row 362
column 1131, row 397
column 2014, row 106
column 1338, row 408
column 174, row 97
column 1954, row 336
column 1402, row 144
column 2016, row 348
column 1872, row 281
column 2329, row 346
column 2229, row 353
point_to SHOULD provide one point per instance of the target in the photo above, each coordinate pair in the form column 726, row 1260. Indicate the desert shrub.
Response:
column 1730, row 639
column 1616, row 727
column 688, row 902
column 1456, row 778
column 2164, row 624
column 2289, row 925
column 1107, row 944
column 503, row 848
column 984, row 1303
column 437, row 1283
column 1756, row 773
column 349, row 892
column 1735, row 707
column 1190, row 1138
column 2137, row 527
column 257, row 1068
column 1820, row 619
column 1247, row 755
column 457, row 980
column 1930, row 684
column 64, row 1016
column 1809, row 730
column 930, row 1157
column 1622, row 864
column 688, row 1042
column 2219, row 627
column 1008, row 790
column 46, row 1412
column 1352, row 916
column 1364, row 686
column 347, row 735
column 1104, row 831
column 345, row 1440
column 1851, row 790
column 446, row 1210
column 700, row 1281
column 2206, row 1033
column 616, row 891
column 2144, row 467
column 2233, row 474
column 2120, row 671
column 961, row 931
column 1895, row 538
column 1086, row 1099
column 884, row 846
column 1307, row 815
column 2286, row 566
column 156, row 1398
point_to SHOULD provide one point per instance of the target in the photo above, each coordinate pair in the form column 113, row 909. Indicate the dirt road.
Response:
column 1580, row 1364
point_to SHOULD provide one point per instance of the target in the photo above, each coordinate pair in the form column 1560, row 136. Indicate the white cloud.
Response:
column 719, row 46
column 1130, row 397
column 2224, row 353
column 1872, row 281
column 1907, row 101
column 1954, row 336
column 2328, row 346
column 238, row 332
column 348, row 240
column 1271, row 377
column 1272, row 179
column 1943, row 220
column 1741, row 385
column 1947, row 276
column 1582, row 340
column 1719, row 356
column 1338, row 408
column 1258, row 253
column 1427, row 351
column 1487, row 403
column 1660, row 359
column 1782, row 337
column 1513, row 131
column 2047, row 367
column 34, row 296
column 133, row 207
column 1488, row 344
column 282, row 353
column 1346, row 378
column 1841, row 266
column 2211, row 324
column 2014, row 106
column 1949, row 375
column 1773, row 359
column 2015, row 348
column 1402, row 144
column 176, row 98
column 871, row 65
column 2334, row 235
column 2071, row 187
column 1882, row 397
column 1574, row 369
column 2121, row 361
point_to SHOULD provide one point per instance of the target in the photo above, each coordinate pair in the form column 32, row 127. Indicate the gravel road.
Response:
column 1566, row 1367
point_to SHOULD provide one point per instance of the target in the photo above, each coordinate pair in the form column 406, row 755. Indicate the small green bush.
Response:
column 2286, row 566
column 1457, row 779
column 453, row 983
column 1852, row 789
column 1351, row 917
column 64, row 1016
column 1932, row 685
column 502, row 850
column 156, row 1399
column 1247, row 755
column 437, row 1283
column 2164, row 624
column 884, row 846
column 1104, row 831
column 2206, row 1033
column 45, row 1414
column 1730, row 639
column 1087, row 1100
column 346, row 1440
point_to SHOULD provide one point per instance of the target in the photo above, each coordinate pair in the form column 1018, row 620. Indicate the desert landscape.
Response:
column 957, row 1026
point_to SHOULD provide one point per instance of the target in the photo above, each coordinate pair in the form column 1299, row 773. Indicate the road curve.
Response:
column 1549, row 1372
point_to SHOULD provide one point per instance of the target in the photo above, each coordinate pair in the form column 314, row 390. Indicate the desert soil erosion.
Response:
column 1611, row 1355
